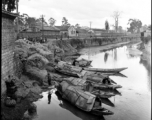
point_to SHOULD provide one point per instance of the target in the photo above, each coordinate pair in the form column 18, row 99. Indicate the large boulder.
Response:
column 46, row 53
column 32, row 50
column 55, row 77
column 40, row 75
column 22, row 42
column 25, row 87
column 57, row 51
column 37, row 60
column 22, row 52
column 22, row 92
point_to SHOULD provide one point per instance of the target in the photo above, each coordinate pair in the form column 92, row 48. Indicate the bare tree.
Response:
column 116, row 15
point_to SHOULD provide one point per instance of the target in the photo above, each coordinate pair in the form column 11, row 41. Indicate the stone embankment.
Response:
column 145, row 47
column 74, row 44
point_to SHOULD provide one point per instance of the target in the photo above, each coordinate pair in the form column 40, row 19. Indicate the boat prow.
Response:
column 101, row 111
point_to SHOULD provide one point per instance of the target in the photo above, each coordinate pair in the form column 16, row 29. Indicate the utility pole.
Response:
column 17, row 16
column 90, row 29
column 42, row 17
column 90, row 37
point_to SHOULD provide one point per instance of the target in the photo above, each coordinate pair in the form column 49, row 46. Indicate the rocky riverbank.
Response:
column 145, row 47
column 91, row 42
column 30, row 55
column 35, row 64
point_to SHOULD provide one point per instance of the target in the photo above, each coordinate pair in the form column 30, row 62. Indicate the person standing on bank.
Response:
column 49, row 79
column 49, row 96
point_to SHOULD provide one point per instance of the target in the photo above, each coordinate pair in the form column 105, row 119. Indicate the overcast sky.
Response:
column 84, row 11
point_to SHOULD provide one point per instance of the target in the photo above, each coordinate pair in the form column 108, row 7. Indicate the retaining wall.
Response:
column 8, row 37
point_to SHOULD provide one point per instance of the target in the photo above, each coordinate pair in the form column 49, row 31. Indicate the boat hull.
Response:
column 81, row 99
column 115, row 70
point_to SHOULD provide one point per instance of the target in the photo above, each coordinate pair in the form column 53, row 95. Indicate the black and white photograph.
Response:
column 76, row 60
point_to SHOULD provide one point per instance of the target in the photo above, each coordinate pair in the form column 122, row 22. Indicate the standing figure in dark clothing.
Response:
column 49, row 79
column 61, row 37
column 49, row 97
column 74, row 62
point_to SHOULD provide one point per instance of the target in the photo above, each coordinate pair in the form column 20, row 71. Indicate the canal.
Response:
column 134, row 103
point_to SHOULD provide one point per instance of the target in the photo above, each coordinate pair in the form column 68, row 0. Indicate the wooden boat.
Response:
column 82, row 99
column 69, row 54
column 84, row 85
column 102, row 94
column 68, row 69
column 66, row 72
column 107, row 102
column 84, row 60
column 114, row 91
column 82, row 63
column 90, row 76
column 115, row 70
column 111, row 74
column 74, row 110
column 103, row 86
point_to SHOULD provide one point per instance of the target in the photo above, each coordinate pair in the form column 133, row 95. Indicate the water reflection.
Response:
column 136, row 73
column 107, row 102
column 115, row 54
column 128, row 106
column 147, row 65
column 106, row 57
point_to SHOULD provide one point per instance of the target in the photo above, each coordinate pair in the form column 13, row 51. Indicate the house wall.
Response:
column 112, row 34
column 8, row 38
column 47, row 34
column 147, row 33
column 97, row 33
column 50, row 33
column 64, row 34
column 72, row 32
column 29, row 34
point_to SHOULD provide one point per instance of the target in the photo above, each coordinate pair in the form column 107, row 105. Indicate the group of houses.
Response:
column 58, row 31
column 55, row 32
column 145, row 31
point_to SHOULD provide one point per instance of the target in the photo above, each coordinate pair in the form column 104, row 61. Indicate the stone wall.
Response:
column 29, row 34
column 72, row 45
column 47, row 34
column 8, row 37
column 92, row 42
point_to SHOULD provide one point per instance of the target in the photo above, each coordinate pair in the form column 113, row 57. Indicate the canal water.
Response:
column 134, row 102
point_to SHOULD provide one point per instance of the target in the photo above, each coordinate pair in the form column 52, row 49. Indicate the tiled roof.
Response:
column 96, row 29
column 80, row 30
column 52, row 28
column 9, row 14
column 63, row 28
